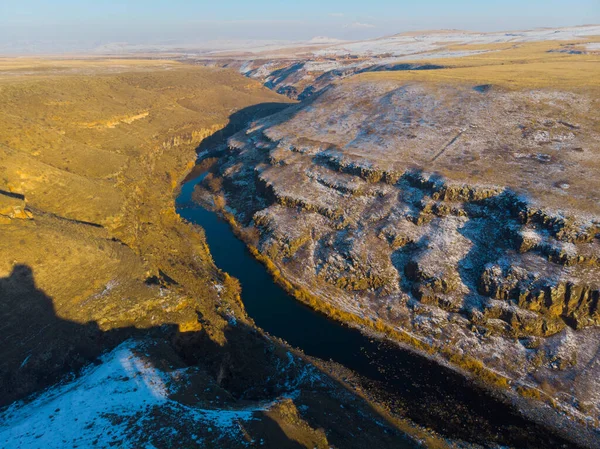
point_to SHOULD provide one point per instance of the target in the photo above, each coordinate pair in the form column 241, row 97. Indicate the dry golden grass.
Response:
column 532, row 84
column 40, row 66
column 107, row 142
column 76, row 144
column 512, row 66
column 91, row 154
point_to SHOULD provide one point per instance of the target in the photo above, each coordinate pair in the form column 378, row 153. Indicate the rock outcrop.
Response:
column 427, row 208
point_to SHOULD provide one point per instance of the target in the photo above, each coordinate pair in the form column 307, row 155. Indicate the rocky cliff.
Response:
column 118, row 330
column 464, row 216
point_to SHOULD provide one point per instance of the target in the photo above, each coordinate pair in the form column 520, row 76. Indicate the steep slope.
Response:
column 89, row 165
column 459, row 218
column 301, row 71
column 119, row 330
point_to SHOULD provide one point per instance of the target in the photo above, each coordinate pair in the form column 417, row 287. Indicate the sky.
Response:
column 75, row 25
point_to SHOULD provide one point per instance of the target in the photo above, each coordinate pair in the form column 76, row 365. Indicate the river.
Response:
column 419, row 388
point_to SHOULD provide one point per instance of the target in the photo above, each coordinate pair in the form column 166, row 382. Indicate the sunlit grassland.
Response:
column 97, row 148
column 512, row 66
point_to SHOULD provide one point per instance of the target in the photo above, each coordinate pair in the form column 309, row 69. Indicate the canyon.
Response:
column 452, row 209
column 436, row 192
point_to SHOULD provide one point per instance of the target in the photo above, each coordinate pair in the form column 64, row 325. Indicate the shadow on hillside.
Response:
column 418, row 388
column 42, row 349
column 39, row 345
column 216, row 143
column 238, row 121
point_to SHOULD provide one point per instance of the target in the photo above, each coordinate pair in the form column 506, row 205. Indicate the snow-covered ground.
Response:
column 595, row 46
column 416, row 43
column 402, row 44
column 107, row 406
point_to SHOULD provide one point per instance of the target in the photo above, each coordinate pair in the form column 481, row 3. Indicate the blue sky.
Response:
column 64, row 24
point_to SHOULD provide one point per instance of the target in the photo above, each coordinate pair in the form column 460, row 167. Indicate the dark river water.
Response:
column 418, row 388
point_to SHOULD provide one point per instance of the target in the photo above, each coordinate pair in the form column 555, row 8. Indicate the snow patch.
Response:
column 124, row 385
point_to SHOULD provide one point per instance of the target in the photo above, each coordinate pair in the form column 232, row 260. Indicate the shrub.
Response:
column 528, row 392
